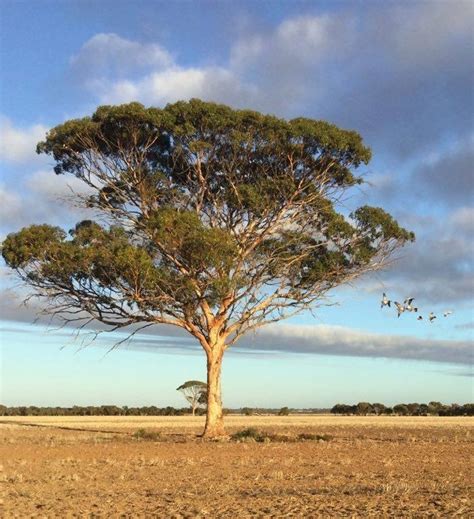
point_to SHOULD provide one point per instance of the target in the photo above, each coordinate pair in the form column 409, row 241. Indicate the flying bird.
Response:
column 408, row 304
column 448, row 312
column 400, row 308
column 432, row 317
column 385, row 301
column 419, row 318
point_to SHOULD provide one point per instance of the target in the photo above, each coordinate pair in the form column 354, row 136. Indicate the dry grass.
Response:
column 371, row 467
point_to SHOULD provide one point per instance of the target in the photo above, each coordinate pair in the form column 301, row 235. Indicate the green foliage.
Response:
column 212, row 219
column 34, row 243
column 195, row 393
column 93, row 254
column 380, row 225
column 284, row 411
column 183, row 234
column 192, row 384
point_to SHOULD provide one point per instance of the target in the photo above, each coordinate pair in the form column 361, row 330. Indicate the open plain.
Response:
column 364, row 467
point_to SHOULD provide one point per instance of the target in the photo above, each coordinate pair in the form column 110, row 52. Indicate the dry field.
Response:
column 371, row 467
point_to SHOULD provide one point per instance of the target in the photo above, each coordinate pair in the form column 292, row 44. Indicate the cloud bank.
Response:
column 317, row 340
column 18, row 145
column 404, row 66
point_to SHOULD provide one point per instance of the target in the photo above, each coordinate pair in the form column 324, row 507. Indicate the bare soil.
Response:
column 371, row 467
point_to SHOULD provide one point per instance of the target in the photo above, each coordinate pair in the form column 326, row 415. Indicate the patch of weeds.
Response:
column 250, row 434
column 314, row 437
column 283, row 438
column 254, row 435
column 143, row 434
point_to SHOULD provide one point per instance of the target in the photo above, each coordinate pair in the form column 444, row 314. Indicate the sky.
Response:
column 400, row 73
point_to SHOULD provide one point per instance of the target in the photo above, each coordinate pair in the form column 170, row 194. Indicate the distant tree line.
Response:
column 114, row 410
column 101, row 410
column 362, row 408
column 413, row 409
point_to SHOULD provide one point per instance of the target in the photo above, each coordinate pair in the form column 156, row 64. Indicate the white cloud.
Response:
column 173, row 84
column 109, row 54
column 295, row 40
column 308, row 37
column 117, row 70
column 463, row 220
column 307, row 339
column 10, row 206
column 370, row 72
column 19, row 144
column 42, row 197
column 51, row 187
column 337, row 340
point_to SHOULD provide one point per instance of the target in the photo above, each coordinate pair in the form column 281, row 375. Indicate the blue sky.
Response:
column 401, row 74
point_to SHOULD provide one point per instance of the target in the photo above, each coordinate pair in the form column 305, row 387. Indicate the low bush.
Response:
column 143, row 434
column 249, row 434
column 254, row 435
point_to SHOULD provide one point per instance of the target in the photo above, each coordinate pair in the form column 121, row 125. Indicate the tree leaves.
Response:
column 215, row 218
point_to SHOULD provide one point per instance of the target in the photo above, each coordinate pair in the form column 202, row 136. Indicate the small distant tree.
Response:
column 413, row 408
column 284, row 411
column 247, row 411
column 364, row 408
column 468, row 409
column 195, row 393
column 211, row 219
column 423, row 410
column 434, row 407
column 344, row 409
column 378, row 408
column 401, row 409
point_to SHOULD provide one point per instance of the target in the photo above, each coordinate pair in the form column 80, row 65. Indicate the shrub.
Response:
column 249, row 434
column 143, row 434
column 252, row 434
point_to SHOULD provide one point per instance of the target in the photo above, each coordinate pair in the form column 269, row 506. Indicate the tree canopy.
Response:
column 195, row 393
column 209, row 218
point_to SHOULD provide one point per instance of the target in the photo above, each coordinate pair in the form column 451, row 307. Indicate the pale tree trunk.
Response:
column 214, row 417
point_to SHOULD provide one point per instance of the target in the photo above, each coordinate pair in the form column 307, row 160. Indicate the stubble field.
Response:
column 365, row 467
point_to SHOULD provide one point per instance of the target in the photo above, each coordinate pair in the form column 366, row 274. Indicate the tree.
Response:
column 284, row 411
column 212, row 219
column 378, row 408
column 401, row 409
column 193, row 391
column 364, row 408
column 344, row 409
column 413, row 408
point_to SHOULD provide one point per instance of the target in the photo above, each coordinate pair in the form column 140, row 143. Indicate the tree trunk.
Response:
column 214, row 418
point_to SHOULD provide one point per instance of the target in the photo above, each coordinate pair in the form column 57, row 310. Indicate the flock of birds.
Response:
column 408, row 306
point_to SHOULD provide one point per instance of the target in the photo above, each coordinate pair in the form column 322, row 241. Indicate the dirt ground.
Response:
column 370, row 467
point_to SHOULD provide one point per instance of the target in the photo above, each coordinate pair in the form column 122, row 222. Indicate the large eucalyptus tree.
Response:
column 208, row 218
